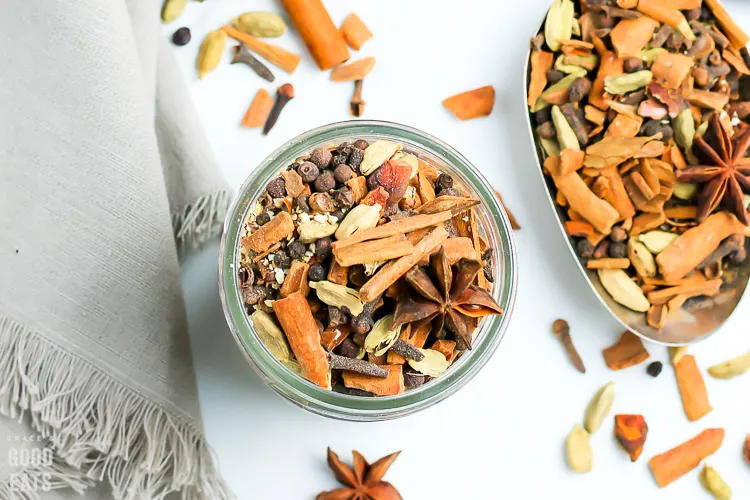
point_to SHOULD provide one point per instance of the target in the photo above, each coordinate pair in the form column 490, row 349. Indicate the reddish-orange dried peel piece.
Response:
column 631, row 431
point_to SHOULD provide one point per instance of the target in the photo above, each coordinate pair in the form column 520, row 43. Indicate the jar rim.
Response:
column 344, row 406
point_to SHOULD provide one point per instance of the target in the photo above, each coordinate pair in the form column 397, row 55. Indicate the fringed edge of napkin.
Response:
column 98, row 428
column 200, row 221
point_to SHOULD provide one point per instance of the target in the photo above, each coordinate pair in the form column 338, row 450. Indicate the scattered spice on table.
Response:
column 692, row 388
column 181, row 36
column 259, row 109
column 631, row 432
column 675, row 463
column 628, row 351
column 355, row 32
column 284, row 94
column 362, row 481
column 368, row 266
column 561, row 329
column 643, row 124
column 471, row 104
column 243, row 55
column 654, row 369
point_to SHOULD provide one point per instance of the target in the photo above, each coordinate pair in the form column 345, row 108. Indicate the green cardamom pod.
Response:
column 570, row 69
column 210, row 52
column 650, row 55
column 172, row 10
column 629, row 82
column 714, row 484
column 558, row 26
column 565, row 83
column 566, row 136
column 260, row 24
column 684, row 129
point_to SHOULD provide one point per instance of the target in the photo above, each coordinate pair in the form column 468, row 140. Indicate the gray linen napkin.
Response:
column 104, row 175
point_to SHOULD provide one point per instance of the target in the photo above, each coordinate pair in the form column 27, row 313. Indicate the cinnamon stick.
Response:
column 298, row 323
column 692, row 388
column 296, row 280
column 356, row 70
column 373, row 251
column 355, row 31
column 398, row 226
column 709, row 288
column 269, row 234
column 279, row 57
column 323, row 40
column 678, row 461
column 598, row 212
column 392, row 384
column 392, row 271
column 695, row 244
column 258, row 111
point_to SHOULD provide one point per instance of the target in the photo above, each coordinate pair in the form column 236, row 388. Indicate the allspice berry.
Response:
column 325, row 182
column 321, row 157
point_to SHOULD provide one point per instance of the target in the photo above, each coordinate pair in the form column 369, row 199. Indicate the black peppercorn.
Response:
column 316, row 273
column 336, row 316
column 579, row 89
column 361, row 144
column 344, row 198
column 339, row 160
column 362, row 323
column 308, row 171
column 181, row 36
column 348, row 348
column 282, row 259
column 632, row 64
column 345, row 149
column 342, row 174
column 618, row 250
column 296, row 249
column 325, row 182
column 444, row 181
column 339, row 214
column 355, row 159
column 618, row 234
column 321, row 157
column 262, row 218
column 276, row 188
column 323, row 248
column 449, row 192
column 301, row 202
column 585, row 249
column 654, row 369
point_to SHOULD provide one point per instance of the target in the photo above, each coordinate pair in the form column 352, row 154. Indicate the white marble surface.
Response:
column 501, row 436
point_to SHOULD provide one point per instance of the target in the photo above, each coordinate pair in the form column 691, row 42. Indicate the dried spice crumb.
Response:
column 654, row 369
column 316, row 273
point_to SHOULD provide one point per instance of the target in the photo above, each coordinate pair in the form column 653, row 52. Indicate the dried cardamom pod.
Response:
column 558, row 26
column 623, row 290
column 732, row 368
column 358, row 218
column 550, row 147
column 676, row 353
column 313, row 230
column 376, row 154
column 565, row 83
column 210, row 52
column 569, row 69
column 433, row 364
column 650, row 55
column 714, row 484
column 578, row 450
column 337, row 295
column 382, row 336
column 172, row 9
column 685, row 191
column 272, row 336
column 684, row 129
column 566, row 136
column 643, row 261
column 599, row 408
column 629, row 82
column 656, row 241
column 260, row 24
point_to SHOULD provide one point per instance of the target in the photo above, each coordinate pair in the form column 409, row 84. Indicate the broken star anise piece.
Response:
column 447, row 296
column 724, row 173
column 363, row 481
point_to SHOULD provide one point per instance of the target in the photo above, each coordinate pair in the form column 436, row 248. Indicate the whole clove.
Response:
column 357, row 105
column 284, row 94
column 337, row 362
column 575, row 121
column 243, row 55
column 561, row 329
column 661, row 36
column 728, row 246
column 407, row 350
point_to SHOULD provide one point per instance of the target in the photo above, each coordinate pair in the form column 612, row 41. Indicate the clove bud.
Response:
column 357, row 105
column 243, row 55
column 284, row 94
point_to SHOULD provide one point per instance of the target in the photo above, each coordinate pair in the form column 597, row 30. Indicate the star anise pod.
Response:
column 447, row 296
column 363, row 481
column 724, row 173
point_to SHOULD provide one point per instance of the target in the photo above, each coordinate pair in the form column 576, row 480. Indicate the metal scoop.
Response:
column 698, row 318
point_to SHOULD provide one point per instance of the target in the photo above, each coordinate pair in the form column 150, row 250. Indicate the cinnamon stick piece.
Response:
column 692, row 388
column 675, row 463
column 627, row 352
column 353, row 71
column 258, row 111
column 270, row 233
column 695, row 244
column 298, row 323
column 373, row 251
column 398, row 226
column 471, row 104
column 598, row 212
column 279, row 57
column 323, row 40
column 392, row 384
column 354, row 31
column 392, row 271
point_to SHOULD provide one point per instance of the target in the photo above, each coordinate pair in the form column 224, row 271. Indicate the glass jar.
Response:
column 493, row 223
